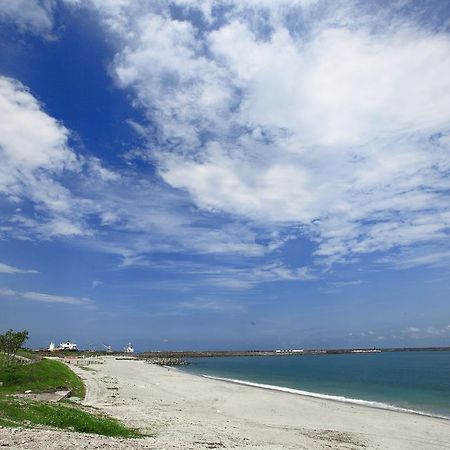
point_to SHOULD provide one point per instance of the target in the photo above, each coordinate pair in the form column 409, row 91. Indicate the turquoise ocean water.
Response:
column 418, row 381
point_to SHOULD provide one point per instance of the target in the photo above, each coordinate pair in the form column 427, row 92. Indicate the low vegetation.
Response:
column 43, row 376
column 19, row 412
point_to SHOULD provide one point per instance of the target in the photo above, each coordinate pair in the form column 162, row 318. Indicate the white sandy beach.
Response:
column 188, row 411
column 184, row 411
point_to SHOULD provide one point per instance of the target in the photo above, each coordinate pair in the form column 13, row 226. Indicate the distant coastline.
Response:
column 224, row 353
column 219, row 353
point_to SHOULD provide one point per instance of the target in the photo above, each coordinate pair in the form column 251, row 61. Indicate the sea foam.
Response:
column 335, row 398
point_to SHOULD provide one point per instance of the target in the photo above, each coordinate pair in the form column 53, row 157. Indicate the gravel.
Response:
column 20, row 438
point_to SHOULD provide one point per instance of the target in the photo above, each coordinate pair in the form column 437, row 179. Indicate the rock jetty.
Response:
column 167, row 361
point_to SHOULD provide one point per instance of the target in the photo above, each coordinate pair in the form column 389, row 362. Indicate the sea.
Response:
column 415, row 381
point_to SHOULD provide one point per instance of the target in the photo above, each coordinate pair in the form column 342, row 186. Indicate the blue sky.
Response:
column 225, row 175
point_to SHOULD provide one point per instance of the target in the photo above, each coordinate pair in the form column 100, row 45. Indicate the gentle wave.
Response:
column 336, row 398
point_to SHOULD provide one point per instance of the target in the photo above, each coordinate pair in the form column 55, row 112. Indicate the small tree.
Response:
column 11, row 341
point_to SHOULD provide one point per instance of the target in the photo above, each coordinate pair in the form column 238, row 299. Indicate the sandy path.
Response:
column 187, row 411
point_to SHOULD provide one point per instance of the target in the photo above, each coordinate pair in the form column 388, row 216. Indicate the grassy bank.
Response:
column 48, row 375
column 19, row 412
column 45, row 375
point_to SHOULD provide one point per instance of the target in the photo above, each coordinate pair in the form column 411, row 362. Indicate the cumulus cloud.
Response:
column 341, row 130
column 336, row 130
column 34, row 153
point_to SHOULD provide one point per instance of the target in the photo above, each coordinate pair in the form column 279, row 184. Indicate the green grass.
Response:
column 42, row 376
column 47, row 375
column 15, row 412
column 29, row 354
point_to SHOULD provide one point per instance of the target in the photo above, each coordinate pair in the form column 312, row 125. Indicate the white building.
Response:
column 68, row 346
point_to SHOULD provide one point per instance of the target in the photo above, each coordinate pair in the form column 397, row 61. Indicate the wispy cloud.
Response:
column 339, row 284
column 431, row 255
column 36, row 16
column 47, row 298
column 244, row 278
column 212, row 305
column 96, row 283
column 5, row 268
column 425, row 332
column 235, row 275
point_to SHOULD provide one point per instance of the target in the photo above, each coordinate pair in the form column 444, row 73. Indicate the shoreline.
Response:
column 328, row 397
column 188, row 410
column 181, row 410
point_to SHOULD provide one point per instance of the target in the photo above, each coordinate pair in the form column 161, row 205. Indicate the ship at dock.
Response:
column 63, row 346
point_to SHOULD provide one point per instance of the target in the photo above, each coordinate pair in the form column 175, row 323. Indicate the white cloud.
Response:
column 248, row 277
column 34, row 152
column 432, row 256
column 135, row 216
column 47, row 298
column 50, row 298
column 96, row 170
column 213, row 305
column 5, row 292
column 427, row 331
column 42, row 141
column 186, row 91
column 96, row 283
column 347, row 283
column 5, row 268
column 414, row 329
column 35, row 16
column 342, row 130
column 339, row 131
column 141, row 217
